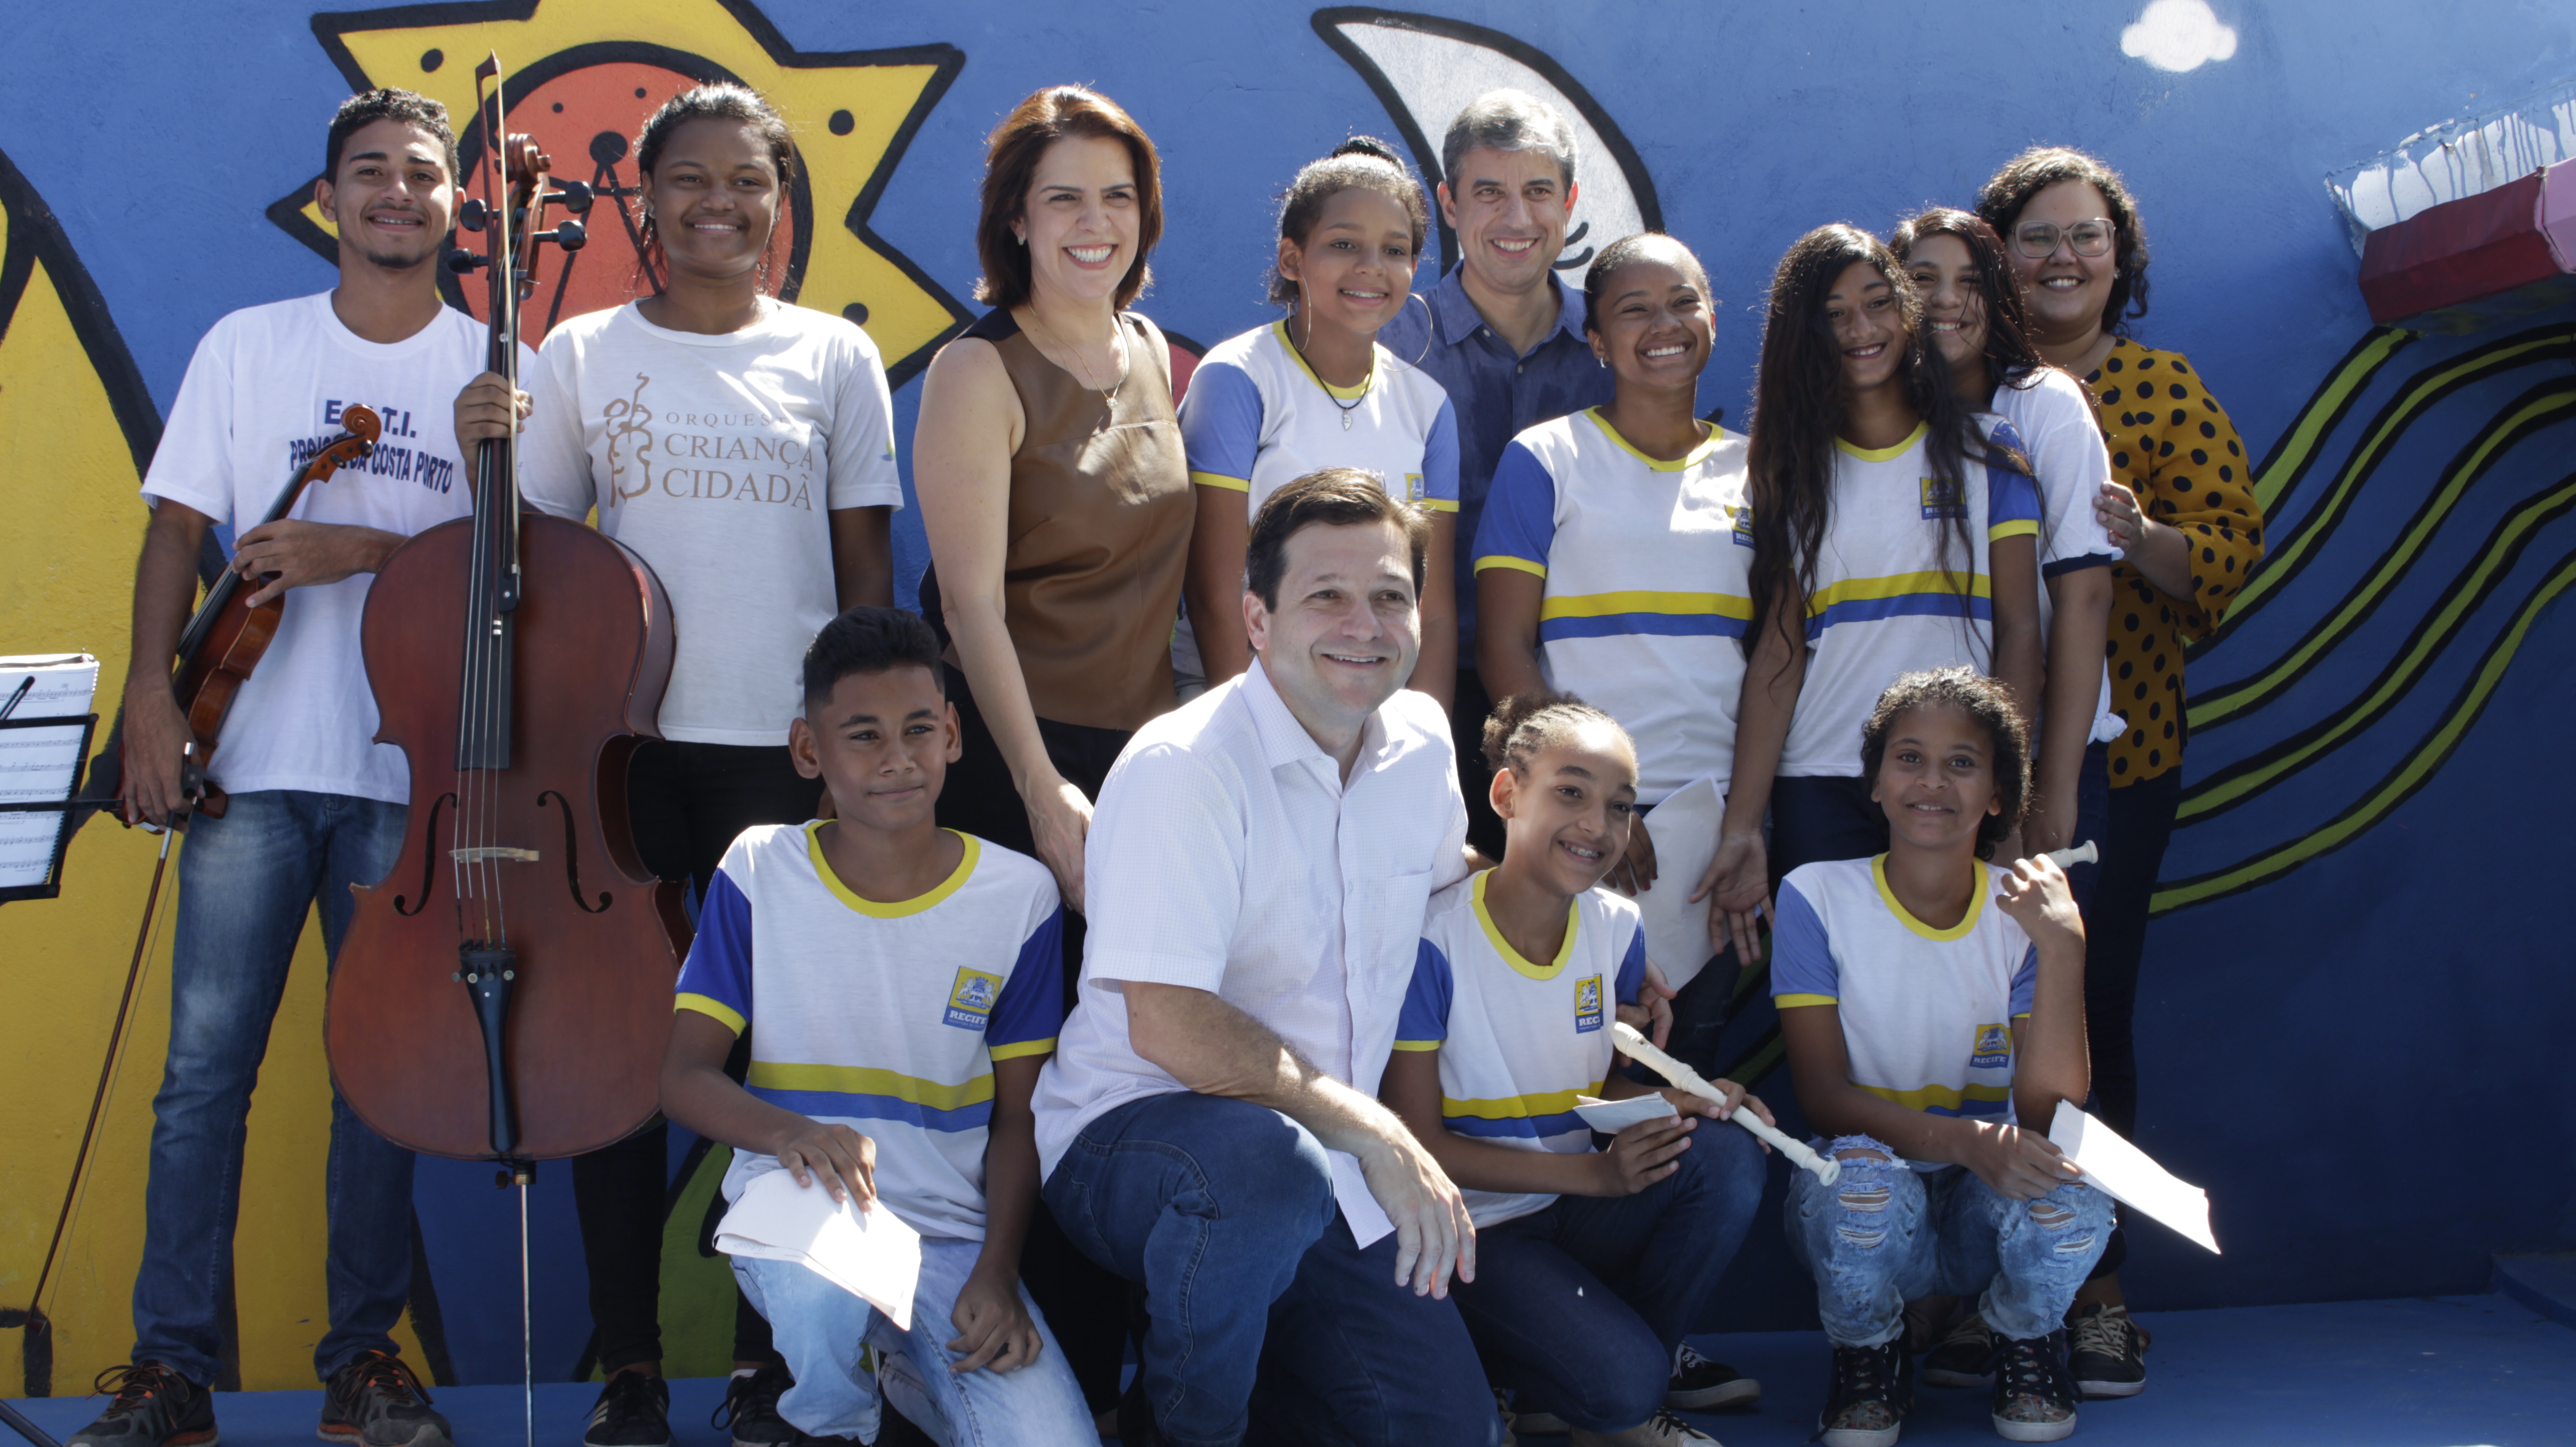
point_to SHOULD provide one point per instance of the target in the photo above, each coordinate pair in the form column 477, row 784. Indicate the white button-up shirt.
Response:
column 1227, row 854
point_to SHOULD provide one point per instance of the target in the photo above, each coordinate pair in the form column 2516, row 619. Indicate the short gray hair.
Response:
column 1508, row 120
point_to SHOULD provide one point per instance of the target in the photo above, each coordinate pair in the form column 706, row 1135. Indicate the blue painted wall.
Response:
column 2361, row 1058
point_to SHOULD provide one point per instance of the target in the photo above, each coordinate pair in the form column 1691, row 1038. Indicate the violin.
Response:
column 227, row 637
column 504, row 993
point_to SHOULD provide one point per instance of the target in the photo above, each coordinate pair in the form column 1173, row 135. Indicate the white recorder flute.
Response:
column 1642, row 1050
column 2083, row 853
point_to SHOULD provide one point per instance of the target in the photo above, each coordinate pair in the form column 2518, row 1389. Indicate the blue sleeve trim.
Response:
column 1031, row 1006
column 2025, row 982
column 2010, row 496
column 719, row 963
column 1520, row 509
column 2062, row 566
column 1426, row 1000
column 1632, row 970
column 1221, row 420
column 1440, row 456
column 1802, row 958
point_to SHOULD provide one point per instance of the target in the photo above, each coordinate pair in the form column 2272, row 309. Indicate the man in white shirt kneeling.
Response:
column 1257, row 874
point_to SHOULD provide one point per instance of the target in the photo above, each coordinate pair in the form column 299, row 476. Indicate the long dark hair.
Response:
column 2011, row 358
column 2001, row 199
column 1798, row 407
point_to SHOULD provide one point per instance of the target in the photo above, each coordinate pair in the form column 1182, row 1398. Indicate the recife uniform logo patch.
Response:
column 1744, row 527
column 971, row 999
column 1587, row 1004
column 1993, row 1050
column 1944, row 497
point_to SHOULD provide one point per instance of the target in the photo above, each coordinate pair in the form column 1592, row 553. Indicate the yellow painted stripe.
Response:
column 2016, row 528
column 2425, row 647
column 1793, row 1002
column 2291, row 455
column 1219, row 479
column 711, row 1008
column 1940, row 1095
column 867, row 1080
column 2491, row 442
column 1499, row 561
column 2395, row 788
column 1417, row 1045
column 1603, row 605
column 1024, row 1047
column 1896, row 586
column 1518, row 1107
column 1885, row 454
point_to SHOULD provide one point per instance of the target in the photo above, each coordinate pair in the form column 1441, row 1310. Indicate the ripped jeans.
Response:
column 1886, row 1233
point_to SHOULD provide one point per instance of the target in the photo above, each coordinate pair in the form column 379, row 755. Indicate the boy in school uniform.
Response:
column 898, row 983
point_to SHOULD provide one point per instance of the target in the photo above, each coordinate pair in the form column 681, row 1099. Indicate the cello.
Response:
column 504, row 994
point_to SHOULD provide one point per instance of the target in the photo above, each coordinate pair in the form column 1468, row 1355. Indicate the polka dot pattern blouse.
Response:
column 2172, row 445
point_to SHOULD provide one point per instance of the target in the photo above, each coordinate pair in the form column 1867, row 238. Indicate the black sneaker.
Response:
column 375, row 1401
column 750, row 1408
column 633, row 1410
column 153, row 1407
column 1964, row 1358
column 2109, row 1352
column 1701, row 1385
column 2034, row 1392
column 1873, row 1390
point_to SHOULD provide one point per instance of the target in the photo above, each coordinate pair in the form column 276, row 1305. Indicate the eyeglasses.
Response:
column 2038, row 239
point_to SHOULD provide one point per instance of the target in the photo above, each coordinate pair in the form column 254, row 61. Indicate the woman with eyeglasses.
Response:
column 2181, row 506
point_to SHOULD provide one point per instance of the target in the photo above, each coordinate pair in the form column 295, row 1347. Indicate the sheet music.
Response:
column 1684, row 827
column 2129, row 1175
column 39, row 763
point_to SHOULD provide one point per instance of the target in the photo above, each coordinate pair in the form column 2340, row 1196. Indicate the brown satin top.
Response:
column 1099, row 531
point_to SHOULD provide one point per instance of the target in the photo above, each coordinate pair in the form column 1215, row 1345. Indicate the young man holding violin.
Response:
column 313, row 804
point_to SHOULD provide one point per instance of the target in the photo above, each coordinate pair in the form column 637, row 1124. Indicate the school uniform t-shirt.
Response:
column 1256, row 417
column 1519, row 1040
column 2054, row 419
column 886, row 1018
column 1926, row 1013
column 1889, row 583
column 266, row 391
column 718, row 459
column 1646, row 600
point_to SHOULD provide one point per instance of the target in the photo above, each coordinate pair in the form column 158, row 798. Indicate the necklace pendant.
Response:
column 1346, row 422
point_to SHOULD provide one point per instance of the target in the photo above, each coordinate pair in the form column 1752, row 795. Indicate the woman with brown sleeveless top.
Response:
column 1057, row 500
column 1052, row 482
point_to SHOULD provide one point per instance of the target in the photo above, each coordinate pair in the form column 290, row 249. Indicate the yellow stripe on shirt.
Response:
column 1853, row 590
column 866, row 1080
column 1219, row 479
column 1942, row 1096
column 712, row 1008
column 1499, row 561
column 1518, row 1107
column 1607, row 605
column 2013, row 528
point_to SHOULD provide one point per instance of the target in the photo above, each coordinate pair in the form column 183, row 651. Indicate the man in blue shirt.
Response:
column 1505, row 338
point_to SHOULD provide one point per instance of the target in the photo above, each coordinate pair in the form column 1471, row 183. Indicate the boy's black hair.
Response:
column 370, row 106
column 1985, row 701
column 870, row 640
column 1337, row 497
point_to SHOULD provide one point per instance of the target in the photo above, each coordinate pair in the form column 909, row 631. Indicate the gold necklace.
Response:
column 1117, row 339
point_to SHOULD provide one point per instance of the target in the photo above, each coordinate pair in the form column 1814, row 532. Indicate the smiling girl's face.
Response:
column 1954, row 300
column 1568, row 808
column 1868, row 326
column 1937, row 779
column 1355, row 266
column 1654, row 327
column 715, row 197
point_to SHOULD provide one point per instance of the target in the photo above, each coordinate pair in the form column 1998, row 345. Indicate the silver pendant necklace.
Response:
column 1352, row 408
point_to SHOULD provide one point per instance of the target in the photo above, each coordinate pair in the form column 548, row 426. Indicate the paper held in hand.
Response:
column 1613, row 1116
column 1684, row 828
column 2126, row 1173
column 870, row 1254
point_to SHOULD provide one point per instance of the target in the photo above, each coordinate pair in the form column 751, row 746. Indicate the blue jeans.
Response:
column 1224, row 1211
column 821, row 1329
column 1579, row 1308
column 1886, row 1233
column 246, row 882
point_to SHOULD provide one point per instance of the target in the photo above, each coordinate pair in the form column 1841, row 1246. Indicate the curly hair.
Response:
column 1989, row 705
column 1536, row 719
column 2001, row 199
column 1645, row 245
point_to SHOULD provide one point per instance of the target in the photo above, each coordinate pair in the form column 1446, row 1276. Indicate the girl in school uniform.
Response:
column 1315, row 390
column 1894, row 529
column 1975, row 314
column 1613, row 562
column 1590, row 1264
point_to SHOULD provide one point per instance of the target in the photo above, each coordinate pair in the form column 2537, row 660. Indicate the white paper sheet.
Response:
column 1684, row 827
column 2130, row 1176
column 38, row 764
column 1613, row 1116
column 870, row 1254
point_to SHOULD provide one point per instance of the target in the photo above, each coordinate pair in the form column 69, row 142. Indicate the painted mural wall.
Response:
column 2356, row 999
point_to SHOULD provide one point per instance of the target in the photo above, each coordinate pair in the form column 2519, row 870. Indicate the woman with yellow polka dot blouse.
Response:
column 2181, row 506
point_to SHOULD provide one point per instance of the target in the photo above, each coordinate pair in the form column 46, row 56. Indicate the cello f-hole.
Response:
column 572, row 861
column 428, row 859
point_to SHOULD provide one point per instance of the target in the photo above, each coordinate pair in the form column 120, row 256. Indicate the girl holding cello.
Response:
column 743, row 447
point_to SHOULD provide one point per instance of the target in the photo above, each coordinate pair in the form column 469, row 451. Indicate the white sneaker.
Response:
column 1660, row 1430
